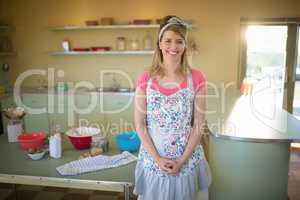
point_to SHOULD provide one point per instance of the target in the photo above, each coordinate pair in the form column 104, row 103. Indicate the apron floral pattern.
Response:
column 169, row 125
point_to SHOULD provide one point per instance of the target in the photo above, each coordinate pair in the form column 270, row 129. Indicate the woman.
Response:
column 169, row 116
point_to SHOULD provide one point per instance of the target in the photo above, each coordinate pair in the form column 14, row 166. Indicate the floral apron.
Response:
column 169, row 125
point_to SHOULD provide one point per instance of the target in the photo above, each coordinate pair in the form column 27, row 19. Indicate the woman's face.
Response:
column 172, row 46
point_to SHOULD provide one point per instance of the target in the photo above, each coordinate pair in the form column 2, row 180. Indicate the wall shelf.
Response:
column 78, row 28
column 8, row 53
column 78, row 53
column 4, row 27
column 103, row 27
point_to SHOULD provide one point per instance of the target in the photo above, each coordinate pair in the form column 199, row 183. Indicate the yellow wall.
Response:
column 217, row 34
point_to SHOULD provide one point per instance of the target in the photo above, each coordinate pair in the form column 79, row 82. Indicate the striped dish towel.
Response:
column 95, row 163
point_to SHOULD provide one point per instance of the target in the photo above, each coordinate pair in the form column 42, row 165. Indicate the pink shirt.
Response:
column 197, row 76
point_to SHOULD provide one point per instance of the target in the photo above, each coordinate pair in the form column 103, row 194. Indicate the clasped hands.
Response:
column 169, row 166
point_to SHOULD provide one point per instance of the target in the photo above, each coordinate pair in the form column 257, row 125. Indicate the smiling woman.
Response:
column 169, row 119
column 171, row 41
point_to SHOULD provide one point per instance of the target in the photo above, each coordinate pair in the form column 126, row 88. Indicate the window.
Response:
column 268, row 56
column 296, row 100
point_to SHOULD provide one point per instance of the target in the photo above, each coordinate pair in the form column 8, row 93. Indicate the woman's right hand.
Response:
column 165, row 164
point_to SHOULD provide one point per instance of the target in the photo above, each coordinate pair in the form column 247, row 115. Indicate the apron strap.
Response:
column 190, row 82
column 149, row 83
column 191, row 88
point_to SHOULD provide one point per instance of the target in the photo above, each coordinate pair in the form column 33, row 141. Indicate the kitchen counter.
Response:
column 253, row 118
column 249, row 146
column 17, row 168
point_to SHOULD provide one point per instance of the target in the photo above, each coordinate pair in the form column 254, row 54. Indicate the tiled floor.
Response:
column 51, row 193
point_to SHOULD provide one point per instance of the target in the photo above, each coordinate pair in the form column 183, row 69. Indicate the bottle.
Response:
column 55, row 148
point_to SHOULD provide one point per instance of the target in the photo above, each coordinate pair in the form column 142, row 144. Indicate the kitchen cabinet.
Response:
column 36, row 106
column 103, row 27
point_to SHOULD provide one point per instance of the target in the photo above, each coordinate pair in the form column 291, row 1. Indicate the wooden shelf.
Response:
column 8, row 53
column 78, row 53
column 78, row 28
column 131, row 26
column 4, row 27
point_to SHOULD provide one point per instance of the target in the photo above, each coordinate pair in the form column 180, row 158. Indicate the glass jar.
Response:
column 121, row 44
column 101, row 142
column 147, row 42
column 134, row 45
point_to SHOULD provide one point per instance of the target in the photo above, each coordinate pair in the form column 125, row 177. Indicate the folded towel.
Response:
column 95, row 163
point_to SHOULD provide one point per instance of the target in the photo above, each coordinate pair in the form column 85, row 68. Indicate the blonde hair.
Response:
column 175, row 24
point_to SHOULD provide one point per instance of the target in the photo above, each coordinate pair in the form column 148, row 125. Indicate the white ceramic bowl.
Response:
column 36, row 156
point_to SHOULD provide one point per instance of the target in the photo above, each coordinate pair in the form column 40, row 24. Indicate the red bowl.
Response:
column 100, row 48
column 81, row 142
column 81, row 137
column 31, row 140
column 91, row 23
column 81, row 49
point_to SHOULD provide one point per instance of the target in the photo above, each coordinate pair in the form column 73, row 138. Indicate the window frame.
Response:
column 293, row 26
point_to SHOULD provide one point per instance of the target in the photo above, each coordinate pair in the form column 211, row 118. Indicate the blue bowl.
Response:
column 128, row 141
